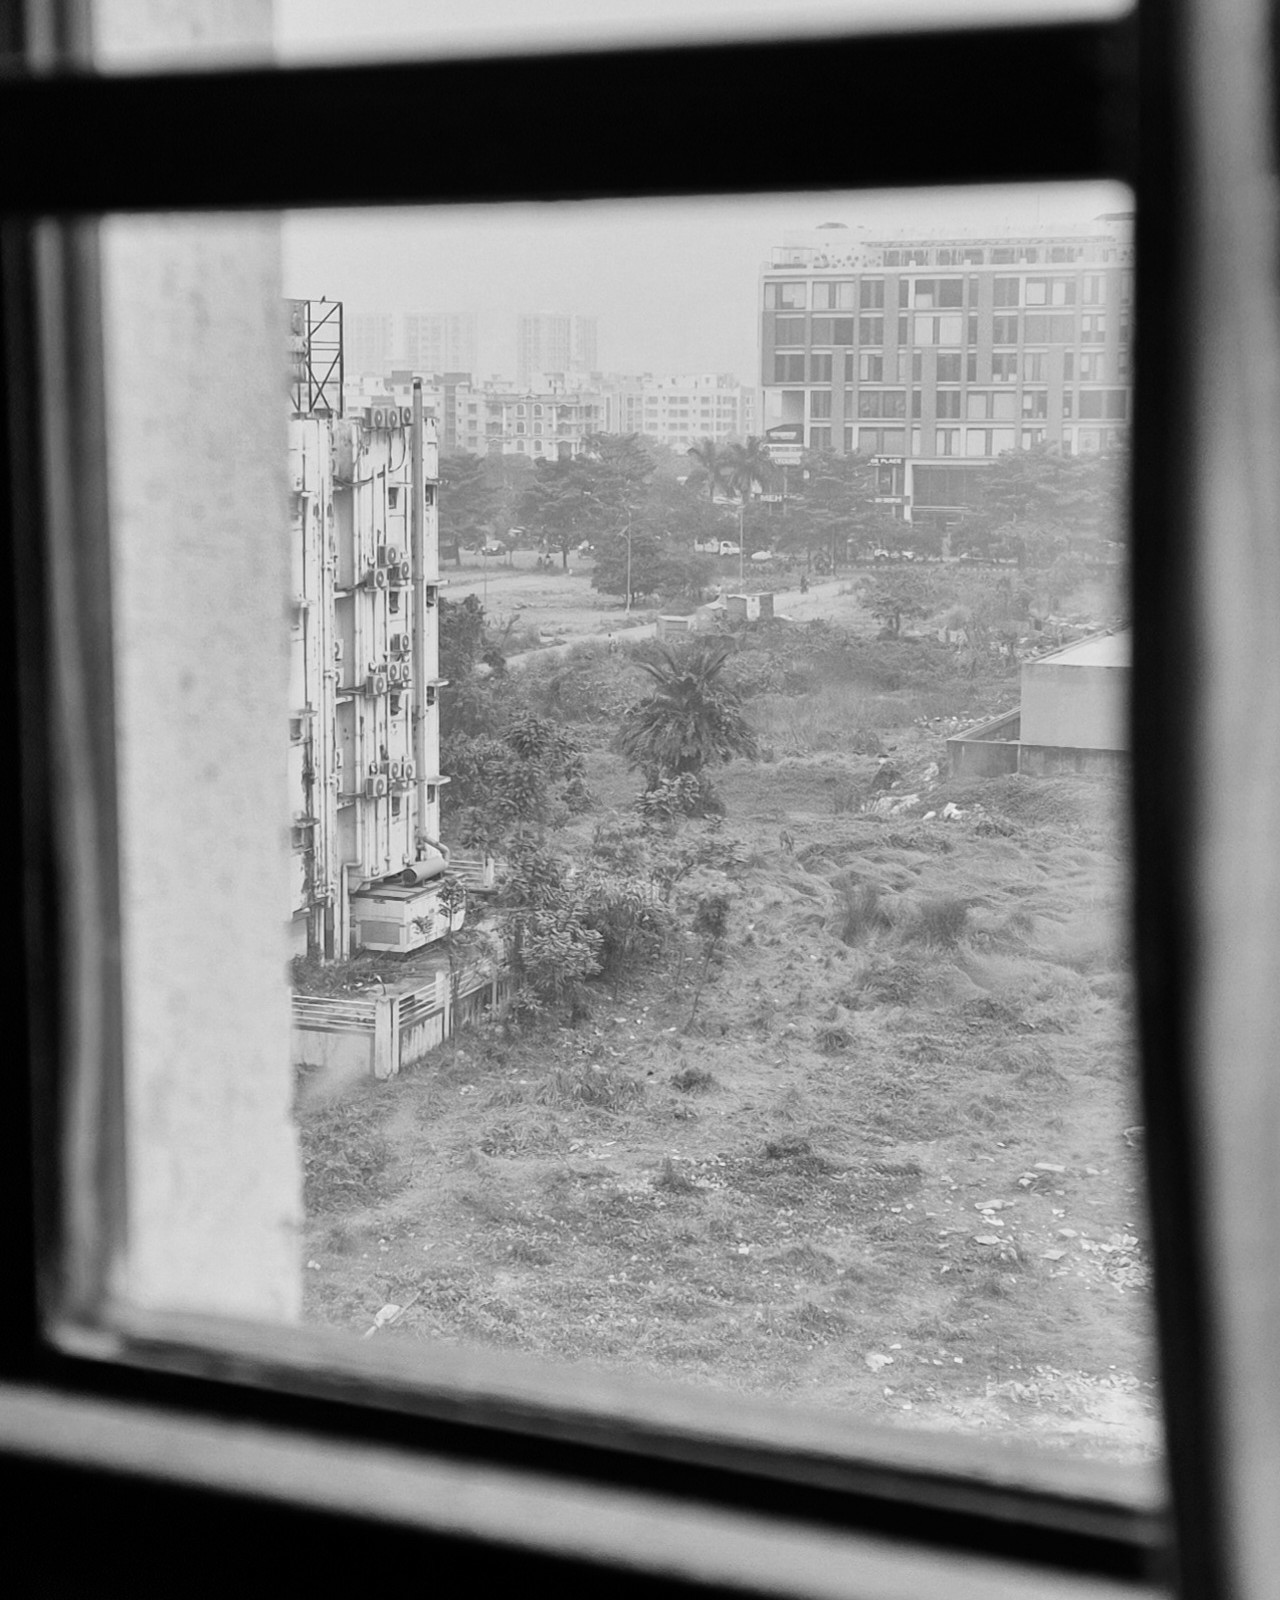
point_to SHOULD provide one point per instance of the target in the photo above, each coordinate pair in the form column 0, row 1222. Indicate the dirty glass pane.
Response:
column 128, row 37
column 710, row 962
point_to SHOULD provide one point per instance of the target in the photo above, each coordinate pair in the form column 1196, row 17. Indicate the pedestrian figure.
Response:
column 804, row 583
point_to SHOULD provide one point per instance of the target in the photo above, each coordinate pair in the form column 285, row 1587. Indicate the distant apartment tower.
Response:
column 937, row 352
column 583, row 351
column 439, row 341
column 547, row 342
column 370, row 337
column 681, row 410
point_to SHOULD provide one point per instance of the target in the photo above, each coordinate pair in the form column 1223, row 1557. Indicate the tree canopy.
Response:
column 693, row 718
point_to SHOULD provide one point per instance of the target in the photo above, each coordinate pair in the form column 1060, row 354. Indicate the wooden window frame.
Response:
column 319, row 1456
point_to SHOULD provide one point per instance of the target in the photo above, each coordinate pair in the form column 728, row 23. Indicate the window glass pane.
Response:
column 815, row 1091
column 130, row 38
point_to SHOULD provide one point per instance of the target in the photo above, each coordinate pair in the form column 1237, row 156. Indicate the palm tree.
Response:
column 750, row 466
column 714, row 463
column 692, row 720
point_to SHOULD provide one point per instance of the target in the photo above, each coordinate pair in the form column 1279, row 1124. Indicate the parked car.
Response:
column 729, row 549
column 493, row 548
column 762, row 555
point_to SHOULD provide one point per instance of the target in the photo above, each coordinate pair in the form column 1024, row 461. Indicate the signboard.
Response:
column 785, row 433
column 785, row 443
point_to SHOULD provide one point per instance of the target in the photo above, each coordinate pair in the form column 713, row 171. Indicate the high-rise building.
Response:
column 439, row 341
column 364, row 743
column 544, row 343
column 937, row 352
column 370, row 339
column 549, row 342
column 583, row 355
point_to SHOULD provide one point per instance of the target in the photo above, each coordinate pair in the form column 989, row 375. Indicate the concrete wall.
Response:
column 1079, row 706
column 195, row 397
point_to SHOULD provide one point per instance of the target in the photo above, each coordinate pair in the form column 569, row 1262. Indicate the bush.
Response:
column 940, row 921
column 862, row 913
column 693, row 1080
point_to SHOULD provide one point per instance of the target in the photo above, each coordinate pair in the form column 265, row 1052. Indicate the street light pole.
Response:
column 742, row 547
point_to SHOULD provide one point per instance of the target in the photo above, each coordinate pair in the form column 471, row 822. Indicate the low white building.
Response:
column 1072, row 716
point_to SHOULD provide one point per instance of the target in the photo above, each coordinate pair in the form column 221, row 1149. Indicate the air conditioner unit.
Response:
column 409, row 771
column 371, row 787
column 406, row 676
column 394, row 673
column 406, row 416
column 400, row 643
column 376, row 683
column 379, row 417
column 404, row 572
column 395, row 771
column 394, row 555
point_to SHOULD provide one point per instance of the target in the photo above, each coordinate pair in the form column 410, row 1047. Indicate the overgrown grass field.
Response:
column 888, row 1166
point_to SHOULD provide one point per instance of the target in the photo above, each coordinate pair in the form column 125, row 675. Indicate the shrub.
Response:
column 940, row 921
column 693, row 1080
column 862, row 913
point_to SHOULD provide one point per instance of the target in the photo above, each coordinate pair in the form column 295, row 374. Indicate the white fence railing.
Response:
column 384, row 1033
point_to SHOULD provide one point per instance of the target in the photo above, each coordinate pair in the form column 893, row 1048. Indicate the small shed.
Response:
column 751, row 607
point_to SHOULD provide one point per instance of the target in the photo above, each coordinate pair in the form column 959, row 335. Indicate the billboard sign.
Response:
column 785, row 443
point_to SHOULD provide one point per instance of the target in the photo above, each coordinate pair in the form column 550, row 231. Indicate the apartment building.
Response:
column 546, row 421
column 681, row 410
column 371, row 341
column 363, row 755
column 439, row 341
column 552, row 342
column 938, row 353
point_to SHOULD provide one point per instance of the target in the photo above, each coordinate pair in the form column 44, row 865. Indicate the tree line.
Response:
column 644, row 510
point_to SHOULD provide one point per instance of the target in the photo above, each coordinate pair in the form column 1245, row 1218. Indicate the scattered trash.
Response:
column 876, row 1361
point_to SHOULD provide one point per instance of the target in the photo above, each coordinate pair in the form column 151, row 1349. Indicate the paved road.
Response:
column 787, row 602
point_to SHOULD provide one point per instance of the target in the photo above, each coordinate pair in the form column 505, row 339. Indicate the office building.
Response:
column 937, row 352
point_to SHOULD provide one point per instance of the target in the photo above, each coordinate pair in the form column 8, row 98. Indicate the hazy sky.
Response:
column 673, row 283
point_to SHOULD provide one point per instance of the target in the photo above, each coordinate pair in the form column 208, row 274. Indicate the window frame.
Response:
column 103, row 1400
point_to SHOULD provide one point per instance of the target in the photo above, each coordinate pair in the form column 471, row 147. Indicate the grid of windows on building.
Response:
column 1000, row 337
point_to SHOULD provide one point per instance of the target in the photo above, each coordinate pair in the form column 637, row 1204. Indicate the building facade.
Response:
column 371, row 338
column 364, row 737
column 439, row 341
column 935, row 354
column 682, row 410
column 552, row 342
column 547, row 421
